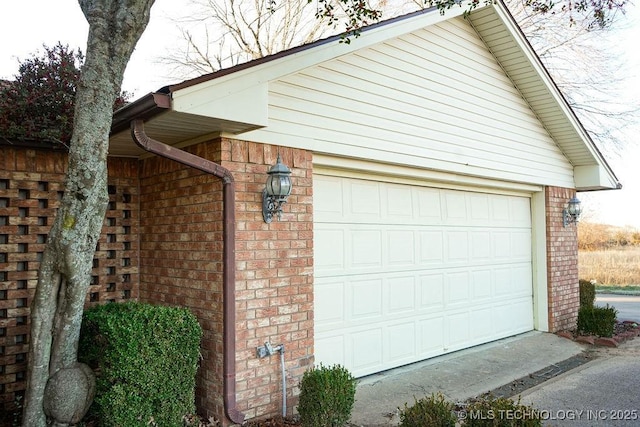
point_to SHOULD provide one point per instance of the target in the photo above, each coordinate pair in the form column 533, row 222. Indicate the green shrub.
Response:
column 500, row 412
column 598, row 321
column 145, row 358
column 432, row 410
column 587, row 293
column 326, row 396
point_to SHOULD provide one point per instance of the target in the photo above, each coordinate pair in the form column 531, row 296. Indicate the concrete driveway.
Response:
column 628, row 306
column 603, row 392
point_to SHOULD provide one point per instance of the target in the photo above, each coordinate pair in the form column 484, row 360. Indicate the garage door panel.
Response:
column 331, row 350
column 401, row 247
column 513, row 280
column 365, row 300
column 366, row 248
column 457, row 286
column 501, row 245
column 403, row 273
column 521, row 275
column 329, row 197
column 330, row 241
column 431, row 292
column 429, row 207
column 520, row 211
column 513, row 317
column 457, row 328
column 399, row 202
column 366, row 350
column 455, row 208
column 401, row 295
column 521, row 245
column 500, row 210
column 457, row 246
column 482, row 285
column 329, row 296
column 400, row 343
column 364, row 200
column 482, row 328
column 480, row 246
column 479, row 208
column 430, row 336
column 431, row 248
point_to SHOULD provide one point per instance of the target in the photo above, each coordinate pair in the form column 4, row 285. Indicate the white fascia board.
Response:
column 242, row 96
column 593, row 177
column 568, row 112
column 231, row 101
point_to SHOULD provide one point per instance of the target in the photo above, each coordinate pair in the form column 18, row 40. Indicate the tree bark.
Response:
column 115, row 26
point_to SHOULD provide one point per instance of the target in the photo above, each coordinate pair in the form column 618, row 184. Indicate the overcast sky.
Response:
column 28, row 24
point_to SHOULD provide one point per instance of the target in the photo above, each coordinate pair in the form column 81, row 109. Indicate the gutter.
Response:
column 144, row 108
column 228, row 255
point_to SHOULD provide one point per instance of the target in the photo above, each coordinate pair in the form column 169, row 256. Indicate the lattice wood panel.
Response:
column 28, row 202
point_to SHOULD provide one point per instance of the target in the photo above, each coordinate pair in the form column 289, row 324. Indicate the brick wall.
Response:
column 562, row 262
column 181, row 263
column 31, row 186
column 181, row 256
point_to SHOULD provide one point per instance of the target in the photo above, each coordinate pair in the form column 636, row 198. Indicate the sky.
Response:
column 28, row 24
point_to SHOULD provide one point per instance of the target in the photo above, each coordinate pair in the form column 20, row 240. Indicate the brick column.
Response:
column 562, row 262
column 274, row 277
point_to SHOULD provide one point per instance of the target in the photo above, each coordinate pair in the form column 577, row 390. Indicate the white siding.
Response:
column 434, row 99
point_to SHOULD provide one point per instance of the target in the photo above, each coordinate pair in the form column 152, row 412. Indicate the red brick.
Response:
column 606, row 342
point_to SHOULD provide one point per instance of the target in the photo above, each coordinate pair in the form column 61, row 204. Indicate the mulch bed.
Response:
column 274, row 422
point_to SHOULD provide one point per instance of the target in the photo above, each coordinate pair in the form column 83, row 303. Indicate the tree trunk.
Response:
column 115, row 27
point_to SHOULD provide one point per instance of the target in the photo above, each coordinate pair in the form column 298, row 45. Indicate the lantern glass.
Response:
column 575, row 207
column 278, row 185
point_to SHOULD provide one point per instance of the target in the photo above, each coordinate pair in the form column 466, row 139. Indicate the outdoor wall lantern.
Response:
column 571, row 214
column 276, row 190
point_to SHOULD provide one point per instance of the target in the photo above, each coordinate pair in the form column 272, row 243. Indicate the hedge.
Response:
column 145, row 358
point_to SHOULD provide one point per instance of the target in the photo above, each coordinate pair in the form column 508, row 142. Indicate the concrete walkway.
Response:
column 459, row 376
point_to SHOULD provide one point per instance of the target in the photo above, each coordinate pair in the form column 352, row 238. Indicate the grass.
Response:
column 613, row 269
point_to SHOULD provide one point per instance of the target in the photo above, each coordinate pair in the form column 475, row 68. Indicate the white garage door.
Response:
column 404, row 273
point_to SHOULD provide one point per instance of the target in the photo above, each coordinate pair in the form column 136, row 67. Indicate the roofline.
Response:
column 145, row 105
column 155, row 103
column 559, row 93
column 291, row 51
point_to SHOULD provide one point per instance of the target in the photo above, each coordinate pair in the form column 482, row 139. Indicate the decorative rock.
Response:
column 586, row 339
column 69, row 393
column 606, row 342
column 565, row 334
